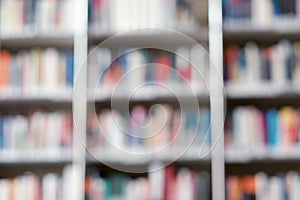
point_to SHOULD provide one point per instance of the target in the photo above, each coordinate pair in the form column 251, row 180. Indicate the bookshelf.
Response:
column 72, row 167
column 268, row 160
column 36, row 130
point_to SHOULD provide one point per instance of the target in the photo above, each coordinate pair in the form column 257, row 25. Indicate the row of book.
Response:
column 35, row 72
column 267, row 13
column 122, row 15
column 149, row 129
column 33, row 16
column 135, row 67
column 37, row 132
column 278, row 64
column 261, row 186
column 258, row 133
column 164, row 184
column 29, row 186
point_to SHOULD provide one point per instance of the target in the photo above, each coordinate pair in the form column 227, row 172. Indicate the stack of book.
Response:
column 145, row 130
column 261, row 186
column 38, row 133
column 29, row 186
column 122, row 15
column 36, row 72
column 267, row 133
column 19, row 17
column 277, row 65
column 186, row 67
column 164, row 184
column 261, row 14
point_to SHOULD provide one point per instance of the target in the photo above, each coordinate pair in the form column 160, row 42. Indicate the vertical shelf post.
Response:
column 217, row 98
column 79, row 98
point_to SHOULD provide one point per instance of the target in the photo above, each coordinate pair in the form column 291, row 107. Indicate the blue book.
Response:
column 70, row 69
column 273, row 128
column 1, row 133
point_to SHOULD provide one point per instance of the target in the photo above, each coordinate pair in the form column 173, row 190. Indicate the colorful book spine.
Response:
column 29, row 186
column 262, row 186
column 187, row 65
column 178, row 129
column 116, row 15
column 32, row 16
column 36, row 72
column 39, row 132
column 173, row 183
column 266, row 13
column 275, row 133
column 276, row 65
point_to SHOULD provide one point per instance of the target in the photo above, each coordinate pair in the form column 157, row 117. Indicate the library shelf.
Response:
column 144, row 160
column 151, row 95
column 61, row 97
column 243, row 30
column 261, row 91
column 152, row 37
column 35, row 157
column 27, row 40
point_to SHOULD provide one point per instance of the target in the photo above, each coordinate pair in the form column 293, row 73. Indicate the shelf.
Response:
column 244, row 30
column 28, row 40
column 152, row 95
column 261, row 91
column 151, row 37
column 34, row 158
column 109, row 157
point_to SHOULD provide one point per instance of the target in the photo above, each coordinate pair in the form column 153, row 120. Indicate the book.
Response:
column 46, row 186
column 33, row 16
column 36, row 72
column 275, row 132
column 166, row 183
column 275, row 65
column 38, row 133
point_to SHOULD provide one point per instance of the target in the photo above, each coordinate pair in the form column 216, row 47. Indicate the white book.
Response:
column 278, row 66
column 276, row 188
column 157, row 180
column 50, row 186
column 70, row 181
column 35, row 61
column 144, row 14
column 66, row 13
column 253, row 63
column 155, row 13
column 261, row 186
column 26, row 72
column 50, row 65
column 137, row 70
column 5, row 189
column 199, row 64
column 45, row 15
column 262, row 13
column 291, row 184
column 184, row 185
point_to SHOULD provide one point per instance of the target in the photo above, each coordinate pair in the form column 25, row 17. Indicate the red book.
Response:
column 163, row 68
column 4, row 68
column 232, row 60
column 170, row 183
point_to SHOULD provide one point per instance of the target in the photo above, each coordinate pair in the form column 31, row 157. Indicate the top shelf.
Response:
column 28, row 40
column 244, row 30
column 180, row 36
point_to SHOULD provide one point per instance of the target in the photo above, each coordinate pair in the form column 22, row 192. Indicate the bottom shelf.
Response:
column 158, row 183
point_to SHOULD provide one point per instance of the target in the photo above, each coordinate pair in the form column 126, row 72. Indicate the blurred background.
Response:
column 79, row 120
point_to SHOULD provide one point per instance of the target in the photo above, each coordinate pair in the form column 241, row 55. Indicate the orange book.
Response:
column 4, row 68
column 163, row 71
column 232, row 59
